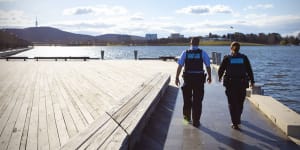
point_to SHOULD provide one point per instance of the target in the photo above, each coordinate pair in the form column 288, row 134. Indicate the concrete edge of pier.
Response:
column 283, row 117
column 14, row 51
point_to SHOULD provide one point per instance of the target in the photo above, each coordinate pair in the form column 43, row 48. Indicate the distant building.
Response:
column 176, row 36
column 151, row 36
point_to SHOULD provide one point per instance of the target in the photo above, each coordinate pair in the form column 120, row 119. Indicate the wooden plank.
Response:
column 137, row 120
column 68, row 120
column 32, row 138
column 110, row 136
column 62, row 126
column 20, row 126
column 105, row 80
column 59, row 93
column 90, row 97
column 59, row 118
column 123, row 102
column 147, row 102
column 51, row 122
column 132, row 102
column 29, row 97
column 103, row 135
column 92, row 132
column 14, row 112
column 43, row 141
column 73, row 109
column 78, row 140
column 103, row 100
column 102, row 83
column 80, row 107
column 8, row 93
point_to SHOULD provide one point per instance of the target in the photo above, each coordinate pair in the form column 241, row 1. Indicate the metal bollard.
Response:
column 257, row 89
column 213, row 55
column 218, row 58
column 135, row 54
column 102, row 54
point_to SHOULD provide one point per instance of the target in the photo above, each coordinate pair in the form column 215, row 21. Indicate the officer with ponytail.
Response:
column 238, row 73
column 194, row 78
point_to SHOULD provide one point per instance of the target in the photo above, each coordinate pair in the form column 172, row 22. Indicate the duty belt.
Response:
column 196, row 72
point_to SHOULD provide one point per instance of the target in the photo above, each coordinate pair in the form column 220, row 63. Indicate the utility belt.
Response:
column 236, row 81
column 194, row 76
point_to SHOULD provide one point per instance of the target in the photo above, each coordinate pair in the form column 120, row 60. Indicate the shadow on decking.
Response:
column 156, row 131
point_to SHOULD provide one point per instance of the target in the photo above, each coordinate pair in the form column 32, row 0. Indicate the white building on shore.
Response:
column 149, row 36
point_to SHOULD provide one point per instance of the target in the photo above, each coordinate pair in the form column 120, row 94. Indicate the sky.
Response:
column 161, row 17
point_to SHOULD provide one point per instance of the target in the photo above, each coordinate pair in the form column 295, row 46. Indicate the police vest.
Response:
column 193, row 62
column 236, row 68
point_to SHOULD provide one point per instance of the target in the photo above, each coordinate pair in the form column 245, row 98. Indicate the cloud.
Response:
column 7, row 0
column 137, row 17
column 15, row 18
column 259, row 6
column 205, row 9
column 96, row 10
column 266, row 20
column 83, row 24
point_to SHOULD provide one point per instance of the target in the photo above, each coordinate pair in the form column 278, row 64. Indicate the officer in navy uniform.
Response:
column 238, row 72
column 194, row 78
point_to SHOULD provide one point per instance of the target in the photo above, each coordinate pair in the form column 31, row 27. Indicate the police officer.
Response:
column 238, row 72
column 194, row 78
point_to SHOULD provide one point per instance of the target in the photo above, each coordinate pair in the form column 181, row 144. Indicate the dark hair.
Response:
column 236, row 44
column 195, row 41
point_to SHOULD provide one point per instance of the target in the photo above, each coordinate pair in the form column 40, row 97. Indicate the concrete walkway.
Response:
column 257, row 132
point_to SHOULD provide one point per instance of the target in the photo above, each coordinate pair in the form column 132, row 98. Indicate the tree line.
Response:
column 260, row 38
column 11, row 41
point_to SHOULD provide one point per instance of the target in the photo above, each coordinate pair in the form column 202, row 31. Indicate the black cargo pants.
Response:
column 236, row 94
column 193, row 92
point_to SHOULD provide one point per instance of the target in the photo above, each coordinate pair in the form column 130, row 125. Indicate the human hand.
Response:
column 209, row 79
column 177, row 82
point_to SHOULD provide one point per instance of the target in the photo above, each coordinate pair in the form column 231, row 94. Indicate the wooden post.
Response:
column 102, row 54
column 135, row 54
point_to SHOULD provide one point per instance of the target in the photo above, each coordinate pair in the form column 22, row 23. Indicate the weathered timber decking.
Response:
column 43, row 104
column 121, row 126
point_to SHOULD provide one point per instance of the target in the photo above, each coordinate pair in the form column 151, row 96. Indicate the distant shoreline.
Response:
column 202, row 43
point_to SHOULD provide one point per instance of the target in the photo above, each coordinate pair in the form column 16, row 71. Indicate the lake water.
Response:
column 277, row 67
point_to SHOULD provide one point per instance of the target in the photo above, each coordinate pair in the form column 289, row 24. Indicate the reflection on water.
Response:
column 277, row 67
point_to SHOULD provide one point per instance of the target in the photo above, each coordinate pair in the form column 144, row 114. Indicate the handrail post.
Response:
column 135, row 54
column 102, row 54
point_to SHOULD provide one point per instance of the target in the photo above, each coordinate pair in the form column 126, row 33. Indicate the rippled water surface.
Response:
column 277, row 67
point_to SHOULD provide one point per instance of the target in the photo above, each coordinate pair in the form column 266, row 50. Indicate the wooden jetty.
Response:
column 45, row 103
column 61, row 104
